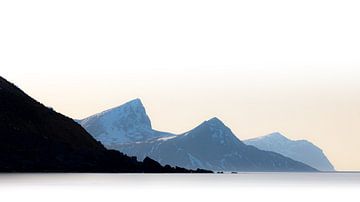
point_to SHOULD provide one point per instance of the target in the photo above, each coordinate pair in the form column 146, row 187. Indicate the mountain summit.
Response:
column 299, row 150
column 215, row 133
column 128, row 116
column 127, row 123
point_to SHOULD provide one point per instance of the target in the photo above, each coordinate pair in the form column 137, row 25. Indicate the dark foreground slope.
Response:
column 34, row 138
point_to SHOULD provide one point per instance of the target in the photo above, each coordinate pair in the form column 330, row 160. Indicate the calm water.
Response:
column 294, row 187
column 338, row 178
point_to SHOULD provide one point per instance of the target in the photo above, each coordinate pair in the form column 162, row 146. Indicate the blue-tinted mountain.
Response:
column 300, row 150
column 211, row 146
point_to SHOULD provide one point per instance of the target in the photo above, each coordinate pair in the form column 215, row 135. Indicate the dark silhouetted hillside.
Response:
column 34, row 138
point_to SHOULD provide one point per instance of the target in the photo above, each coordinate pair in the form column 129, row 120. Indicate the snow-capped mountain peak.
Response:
column 127, row 116
column 126, row 123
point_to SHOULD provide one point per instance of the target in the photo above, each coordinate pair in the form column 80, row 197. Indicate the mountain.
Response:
column 125, row 124
column 299, row 150
column 35, row 138
column 211, row 146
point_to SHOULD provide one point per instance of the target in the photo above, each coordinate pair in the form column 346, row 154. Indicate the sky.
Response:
column 259, row 66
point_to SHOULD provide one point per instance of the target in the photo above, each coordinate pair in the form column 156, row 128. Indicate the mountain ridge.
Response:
column 300, row 150
column 211, row 145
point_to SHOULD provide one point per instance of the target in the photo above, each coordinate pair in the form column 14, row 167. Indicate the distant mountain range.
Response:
column 211, row 145
column 34, row 138
column 299, row 150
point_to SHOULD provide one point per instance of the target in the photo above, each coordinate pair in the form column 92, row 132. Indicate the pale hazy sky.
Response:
column 260, row 66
